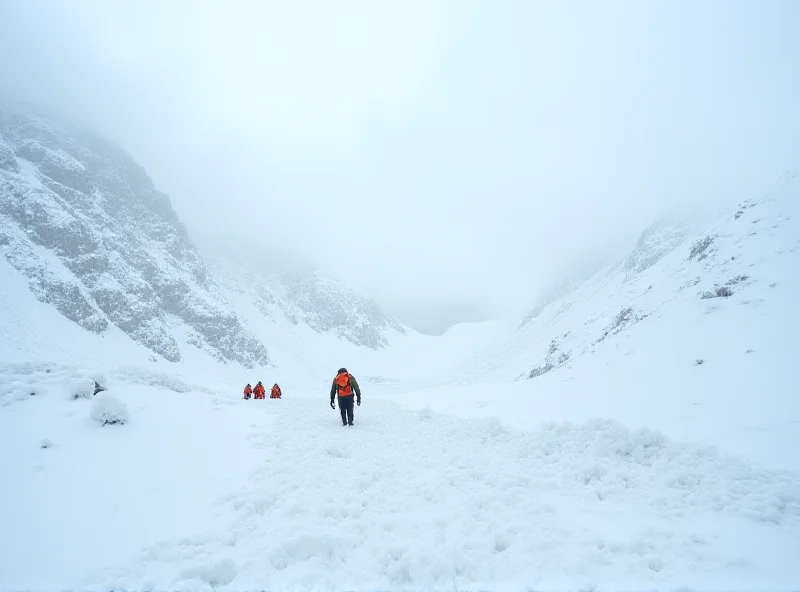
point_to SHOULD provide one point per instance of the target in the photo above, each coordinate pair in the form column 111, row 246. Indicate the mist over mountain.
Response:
column 85, row 224
column 435, row 320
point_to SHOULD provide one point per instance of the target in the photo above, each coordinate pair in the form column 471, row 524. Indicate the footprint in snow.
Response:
column 337, row 452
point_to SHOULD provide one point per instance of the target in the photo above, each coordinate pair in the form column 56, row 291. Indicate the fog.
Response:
column 449, row 158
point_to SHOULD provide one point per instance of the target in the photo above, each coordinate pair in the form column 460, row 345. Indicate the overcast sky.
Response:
column 449, row 158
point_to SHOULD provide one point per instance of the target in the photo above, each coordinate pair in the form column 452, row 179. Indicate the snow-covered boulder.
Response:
column 108, row 410
column 80, row 388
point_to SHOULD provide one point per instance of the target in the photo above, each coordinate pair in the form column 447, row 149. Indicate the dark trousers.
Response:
column 346, row 408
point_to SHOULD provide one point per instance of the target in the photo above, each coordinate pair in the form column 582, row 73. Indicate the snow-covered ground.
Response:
column 96, row 493
column 200, row 492
column 659, row 450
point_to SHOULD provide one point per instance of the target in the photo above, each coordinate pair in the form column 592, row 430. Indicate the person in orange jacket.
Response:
column 260, row 391
column 276, row 392
column 248, row 390
column 343, row 386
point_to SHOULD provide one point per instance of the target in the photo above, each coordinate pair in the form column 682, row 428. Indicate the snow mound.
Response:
column 81, row 388
column 108, row 410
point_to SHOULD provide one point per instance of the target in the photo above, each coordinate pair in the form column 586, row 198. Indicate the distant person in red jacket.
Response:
column 276, row 392
column 260, row 391
column 248, row 391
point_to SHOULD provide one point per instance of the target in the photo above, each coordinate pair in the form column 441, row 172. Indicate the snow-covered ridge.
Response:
column 304, row 295
column 673, row 271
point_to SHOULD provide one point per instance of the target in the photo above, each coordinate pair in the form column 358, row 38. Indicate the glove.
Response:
column 358, row 401
column 333, row 406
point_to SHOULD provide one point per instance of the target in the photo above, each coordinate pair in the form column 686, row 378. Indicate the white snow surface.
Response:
column 205, row 492
column 627, row 465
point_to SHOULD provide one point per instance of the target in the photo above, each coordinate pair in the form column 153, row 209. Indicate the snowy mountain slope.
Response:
column 85, row 225
column 728, row 265
column 654, row 292
column 304, row 297
column 35, row 333
column 675, row 273
column 654, row 349
column 655, row 242
column 326, row 306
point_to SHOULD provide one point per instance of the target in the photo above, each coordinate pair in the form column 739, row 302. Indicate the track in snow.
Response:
column 415, row 499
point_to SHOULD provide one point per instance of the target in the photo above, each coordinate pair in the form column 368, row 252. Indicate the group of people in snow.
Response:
column 260, row 392
column 344, row 387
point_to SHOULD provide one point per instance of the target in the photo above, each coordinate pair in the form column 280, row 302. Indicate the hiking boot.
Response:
column 351, row 423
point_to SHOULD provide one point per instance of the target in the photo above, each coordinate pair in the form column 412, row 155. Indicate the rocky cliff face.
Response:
column 96, row 240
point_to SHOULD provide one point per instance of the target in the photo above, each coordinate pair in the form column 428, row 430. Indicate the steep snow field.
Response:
column 654, row 447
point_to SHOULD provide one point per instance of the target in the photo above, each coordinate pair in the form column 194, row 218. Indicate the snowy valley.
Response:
column 639, row 429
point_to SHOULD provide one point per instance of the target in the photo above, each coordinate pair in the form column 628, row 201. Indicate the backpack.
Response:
column 343, row 384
